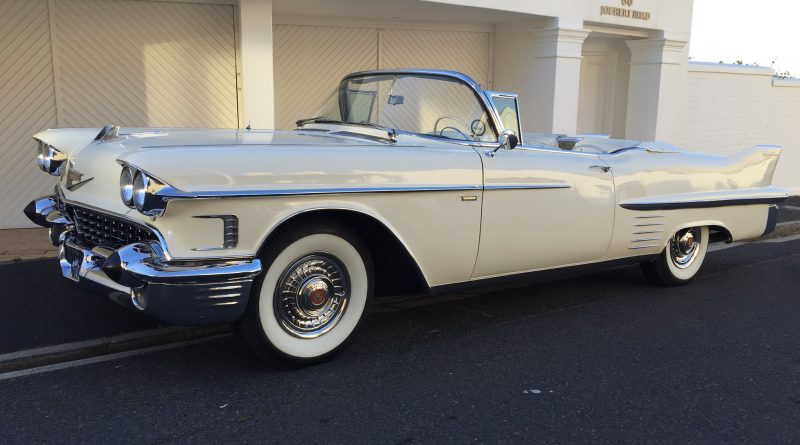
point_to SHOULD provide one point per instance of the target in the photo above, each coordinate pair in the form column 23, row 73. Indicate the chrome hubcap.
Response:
column 312, row 295
column 684, row 247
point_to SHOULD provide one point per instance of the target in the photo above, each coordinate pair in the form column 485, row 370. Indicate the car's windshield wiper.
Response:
column 391, row 132
column 317, row 120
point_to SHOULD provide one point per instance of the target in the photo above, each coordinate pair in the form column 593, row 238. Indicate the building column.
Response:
column 255, row 54
column 656, row 89
column 555, row 80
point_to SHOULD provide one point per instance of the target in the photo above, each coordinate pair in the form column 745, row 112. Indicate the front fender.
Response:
column 67, row 140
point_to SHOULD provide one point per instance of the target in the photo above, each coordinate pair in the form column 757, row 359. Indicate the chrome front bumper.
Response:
column 139, row 275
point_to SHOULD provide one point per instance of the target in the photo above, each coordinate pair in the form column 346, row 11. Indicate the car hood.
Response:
column 223, row 160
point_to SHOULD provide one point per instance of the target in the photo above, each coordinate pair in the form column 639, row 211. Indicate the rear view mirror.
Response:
column 567, row 142
column 508, row 140
column 396, row 100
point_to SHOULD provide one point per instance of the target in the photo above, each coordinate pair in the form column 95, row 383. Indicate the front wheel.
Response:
column 310, row 301
column 681, row 259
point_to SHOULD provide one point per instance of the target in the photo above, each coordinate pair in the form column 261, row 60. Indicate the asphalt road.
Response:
column 38, row 307
column 599, row 358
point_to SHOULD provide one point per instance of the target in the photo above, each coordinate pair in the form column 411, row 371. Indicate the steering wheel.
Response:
column 441, row 133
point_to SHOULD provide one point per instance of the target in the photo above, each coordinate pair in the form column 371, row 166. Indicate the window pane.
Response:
column 359, row 105
column 507, row 109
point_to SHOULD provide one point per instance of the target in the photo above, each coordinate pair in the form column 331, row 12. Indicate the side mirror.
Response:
column 508, row 139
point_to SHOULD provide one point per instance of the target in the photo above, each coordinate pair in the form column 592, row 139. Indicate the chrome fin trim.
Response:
column 701, row 204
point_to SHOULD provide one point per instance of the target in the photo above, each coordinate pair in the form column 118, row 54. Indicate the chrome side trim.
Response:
column 527, row 186
column 701, row 204
column 643, row 247
column 324, row 191
column 337, row 191
column 555, row 150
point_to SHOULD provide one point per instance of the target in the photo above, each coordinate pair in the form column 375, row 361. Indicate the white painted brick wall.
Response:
column 730, row 108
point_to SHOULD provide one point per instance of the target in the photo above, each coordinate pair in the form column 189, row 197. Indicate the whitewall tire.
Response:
column 312, row 297
column 680, row 261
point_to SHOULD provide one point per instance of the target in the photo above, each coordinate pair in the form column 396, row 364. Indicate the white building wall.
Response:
column 730, row 108
column 88, row 63
column 27, row 105
column 311, row 58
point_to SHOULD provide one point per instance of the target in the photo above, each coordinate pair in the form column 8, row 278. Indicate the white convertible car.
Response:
column 406, row 181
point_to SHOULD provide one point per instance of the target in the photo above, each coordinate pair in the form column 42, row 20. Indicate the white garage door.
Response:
column 87, row 63
column 27, row 104
column 145, row 63
column 311, row 60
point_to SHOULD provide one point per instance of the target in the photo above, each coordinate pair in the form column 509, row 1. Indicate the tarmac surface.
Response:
column 40, row 308
column 789, row 209
column 597, row 358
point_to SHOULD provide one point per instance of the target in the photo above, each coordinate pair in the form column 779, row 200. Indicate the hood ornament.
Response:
column 108, row 133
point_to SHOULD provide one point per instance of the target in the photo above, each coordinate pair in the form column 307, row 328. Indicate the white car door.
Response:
column 543, row 208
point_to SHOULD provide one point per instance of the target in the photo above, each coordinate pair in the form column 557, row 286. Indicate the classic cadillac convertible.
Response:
column 406, row 181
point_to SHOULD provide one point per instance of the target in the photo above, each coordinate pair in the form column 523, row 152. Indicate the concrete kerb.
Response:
column 783, row 229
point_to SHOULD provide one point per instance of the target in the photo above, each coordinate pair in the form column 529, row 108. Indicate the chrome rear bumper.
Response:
column 139, row 275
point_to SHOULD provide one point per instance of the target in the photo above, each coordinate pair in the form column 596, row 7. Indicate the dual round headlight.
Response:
column 140, row 183
column 50, row 159
column 140, row 191
column 126, row 185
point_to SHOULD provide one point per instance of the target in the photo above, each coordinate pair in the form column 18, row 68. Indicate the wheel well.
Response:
column 718, row 234
column 396, row 272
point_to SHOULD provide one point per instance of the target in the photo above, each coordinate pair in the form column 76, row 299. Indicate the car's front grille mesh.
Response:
column 98, row 229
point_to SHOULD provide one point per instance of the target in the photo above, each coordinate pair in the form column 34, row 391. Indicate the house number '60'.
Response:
column 627, row 2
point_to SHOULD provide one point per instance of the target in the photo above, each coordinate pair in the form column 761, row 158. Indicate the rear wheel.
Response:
column 310, row 301
column 681, row 259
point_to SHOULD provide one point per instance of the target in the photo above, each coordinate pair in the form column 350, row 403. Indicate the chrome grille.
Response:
column 98, row 229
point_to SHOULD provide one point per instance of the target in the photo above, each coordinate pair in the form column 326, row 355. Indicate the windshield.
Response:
column 429, row 105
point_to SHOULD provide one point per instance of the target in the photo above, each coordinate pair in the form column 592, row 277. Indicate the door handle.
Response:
column 605, row 168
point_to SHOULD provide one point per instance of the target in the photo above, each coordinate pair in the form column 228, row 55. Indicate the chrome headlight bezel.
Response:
column 148, row 194
column 50, row 160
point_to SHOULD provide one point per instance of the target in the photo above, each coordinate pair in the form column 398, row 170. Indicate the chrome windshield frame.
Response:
column 481, row 94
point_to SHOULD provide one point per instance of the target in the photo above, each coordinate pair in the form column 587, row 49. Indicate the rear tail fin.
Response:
column 762, row 159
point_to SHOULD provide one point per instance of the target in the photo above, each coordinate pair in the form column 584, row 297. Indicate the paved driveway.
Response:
column 600, row 358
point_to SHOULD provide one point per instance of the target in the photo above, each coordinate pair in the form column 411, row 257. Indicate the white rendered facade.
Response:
column 580, row 66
